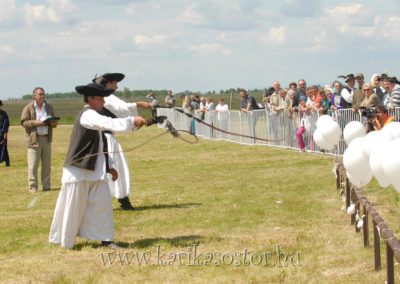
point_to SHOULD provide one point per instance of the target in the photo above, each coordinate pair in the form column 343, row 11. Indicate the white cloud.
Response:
column 275, row 36
column 344, row 26
column 391, row 29
column 7, row 50
column 300, row 8
column 345, row 9
column 191, row 16
column 131, row 9
column 57, row 11
column 7, row 10
column 143, row 40
column 211, row 49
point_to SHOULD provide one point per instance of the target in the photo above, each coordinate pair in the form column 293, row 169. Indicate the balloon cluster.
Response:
column 376, row 154
column 327, row 134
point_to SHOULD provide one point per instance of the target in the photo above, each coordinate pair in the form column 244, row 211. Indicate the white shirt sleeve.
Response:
column 91, row 119
column 347, row 96
column 119, row 107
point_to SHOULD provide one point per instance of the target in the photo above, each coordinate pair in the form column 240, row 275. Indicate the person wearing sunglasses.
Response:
column 371, row 99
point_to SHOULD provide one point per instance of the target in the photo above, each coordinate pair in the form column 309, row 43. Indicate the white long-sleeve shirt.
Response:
column 93, row 120
column 119, row 107
column 223, row 111
column 347, row 96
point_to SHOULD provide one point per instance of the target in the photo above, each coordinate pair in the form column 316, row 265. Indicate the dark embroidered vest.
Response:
column 84, row 146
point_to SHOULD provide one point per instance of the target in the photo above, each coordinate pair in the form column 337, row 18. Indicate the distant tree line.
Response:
column 126, row 93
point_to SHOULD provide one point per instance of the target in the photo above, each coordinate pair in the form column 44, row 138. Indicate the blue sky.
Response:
column 193, row 45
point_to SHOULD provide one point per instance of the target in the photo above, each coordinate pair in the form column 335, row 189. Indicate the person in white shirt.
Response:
column 348, row 91
column 223, row 116
column 84, row 206
column 115, row 107
column 38, row 138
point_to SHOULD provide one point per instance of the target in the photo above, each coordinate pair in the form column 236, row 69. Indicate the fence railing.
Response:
column 364, row 210
column 274, row 128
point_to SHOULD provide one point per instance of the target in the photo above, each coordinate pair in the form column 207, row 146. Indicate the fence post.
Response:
column 390, row 264
column 377, row 248
column 365, row 227
column 358, row 211
column 347, row 194
column 337, row 178
column 353, row 216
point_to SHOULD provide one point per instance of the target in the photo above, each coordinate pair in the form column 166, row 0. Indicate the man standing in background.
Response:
column 358, row 95
column 38, row 137
column 170, row 100
column 114, row 107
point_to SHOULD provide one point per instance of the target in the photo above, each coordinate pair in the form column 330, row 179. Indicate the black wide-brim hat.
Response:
column 347, row 77
column 350, row 77
column 110, row 77
column 93, row 90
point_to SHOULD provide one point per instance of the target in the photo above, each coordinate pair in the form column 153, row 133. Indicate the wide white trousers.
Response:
column 83, row 209
column 121, row 187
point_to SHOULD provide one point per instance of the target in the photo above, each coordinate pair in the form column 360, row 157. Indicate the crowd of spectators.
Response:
column 373, row 98
column 299, row 101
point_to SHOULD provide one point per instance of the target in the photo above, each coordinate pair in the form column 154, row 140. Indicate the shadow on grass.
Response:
column 55, row 189
column 181, row 241
column 162, row 206
column 95, row 245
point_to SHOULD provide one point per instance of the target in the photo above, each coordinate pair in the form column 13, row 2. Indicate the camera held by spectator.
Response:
column 368, row 112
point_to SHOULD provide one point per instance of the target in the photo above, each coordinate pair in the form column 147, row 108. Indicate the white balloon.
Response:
column 323, row 119
column 391, row 164
column 392, row 130
column 353, row 130
column 372, row 140
column 375, row 163
column 355, row 163
column 330, row 132
column 356, row 182
column 321, row 142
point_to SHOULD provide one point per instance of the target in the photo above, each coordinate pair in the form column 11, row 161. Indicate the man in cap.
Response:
column 115, row 107
column 38, row 138
column 358, row 95
column 84, row 206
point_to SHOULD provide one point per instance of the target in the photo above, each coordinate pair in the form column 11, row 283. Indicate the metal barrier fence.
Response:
column 363, row 207
column 270, row 128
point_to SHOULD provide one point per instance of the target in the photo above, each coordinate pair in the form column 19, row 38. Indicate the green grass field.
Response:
column 253, row 214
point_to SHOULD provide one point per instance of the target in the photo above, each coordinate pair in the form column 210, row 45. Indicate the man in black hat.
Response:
column 84, row 204
column 4, row 124
column 115, row 107
column 347, row 91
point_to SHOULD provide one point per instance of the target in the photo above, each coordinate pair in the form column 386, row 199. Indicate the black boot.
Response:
column 125, row 204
